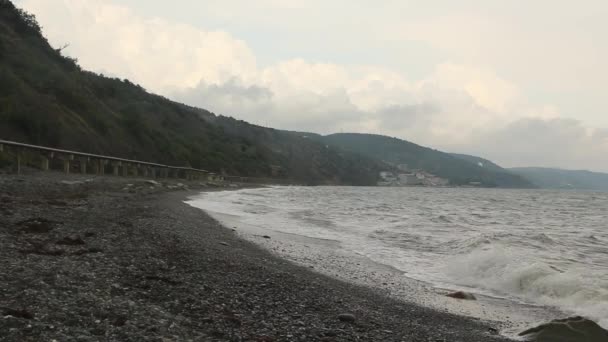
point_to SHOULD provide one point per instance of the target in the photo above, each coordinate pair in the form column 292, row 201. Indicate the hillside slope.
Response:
column 564, row 179
column 481, row 162
column 47, row 99
column 395, row 151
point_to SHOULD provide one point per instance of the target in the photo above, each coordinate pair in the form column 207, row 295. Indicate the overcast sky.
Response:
column 523, row 83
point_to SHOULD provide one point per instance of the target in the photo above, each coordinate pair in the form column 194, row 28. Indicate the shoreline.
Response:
column 101, row 259
column 329, row 258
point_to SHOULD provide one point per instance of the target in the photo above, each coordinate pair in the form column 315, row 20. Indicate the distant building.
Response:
column 387, row 176
column 409, row 179
column 402, row 167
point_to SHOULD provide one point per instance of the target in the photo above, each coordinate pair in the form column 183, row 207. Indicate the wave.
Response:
column 500, row 271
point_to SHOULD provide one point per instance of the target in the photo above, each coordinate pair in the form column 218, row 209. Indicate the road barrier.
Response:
column 85, row 163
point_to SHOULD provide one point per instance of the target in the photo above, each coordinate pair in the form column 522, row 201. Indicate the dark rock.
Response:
column 266, row 237
column 98, row 331
column 264, row 339
column 58, row 203
column 346, row 317
column 91, row 250
column 37, row 225
column 120, row 321
column 89, row 234
column 42, row 248
column 71, row 240
column 331, row 333
column 461, row 295
column 17, row 313
column 126, row 224
column 223, row 243
column 573, row 329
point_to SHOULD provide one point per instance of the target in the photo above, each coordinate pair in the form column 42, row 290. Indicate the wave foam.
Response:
column 499, row 270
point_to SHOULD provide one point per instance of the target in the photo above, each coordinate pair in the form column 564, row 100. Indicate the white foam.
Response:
column 505, row 272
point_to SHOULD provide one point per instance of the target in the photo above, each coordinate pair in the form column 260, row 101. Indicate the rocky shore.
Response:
column 118, row 259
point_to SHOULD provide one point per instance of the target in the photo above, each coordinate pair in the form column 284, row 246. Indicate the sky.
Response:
column 523, row 83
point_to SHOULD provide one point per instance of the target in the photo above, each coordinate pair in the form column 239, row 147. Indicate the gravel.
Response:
column 92, row 259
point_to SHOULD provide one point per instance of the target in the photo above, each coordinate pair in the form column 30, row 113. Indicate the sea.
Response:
column 541, row 248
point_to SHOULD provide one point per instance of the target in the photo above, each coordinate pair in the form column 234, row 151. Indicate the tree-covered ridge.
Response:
column 396, row 151
column 46, row 99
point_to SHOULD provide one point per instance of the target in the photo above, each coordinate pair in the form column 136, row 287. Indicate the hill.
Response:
column 481, row 162
column 396, row 151
column 47, row 99
column 564, row 179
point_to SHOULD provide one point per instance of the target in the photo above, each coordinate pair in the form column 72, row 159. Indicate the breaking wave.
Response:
column 500, row 271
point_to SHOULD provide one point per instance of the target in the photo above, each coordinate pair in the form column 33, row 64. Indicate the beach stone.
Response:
column 37, row 225
column 572, row 329
column 346, row 317
column 22, row 313
column 153, row 182
column 461, row 295
column 71, row 240
column 266, row 237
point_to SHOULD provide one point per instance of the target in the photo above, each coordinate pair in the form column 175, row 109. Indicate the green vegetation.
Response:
column 481, row 162
column 46, row 99
column 395, row 151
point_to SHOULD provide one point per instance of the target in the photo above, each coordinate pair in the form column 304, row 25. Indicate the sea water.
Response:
column 538, row 247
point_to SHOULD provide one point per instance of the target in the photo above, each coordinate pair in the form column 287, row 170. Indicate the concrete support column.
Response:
column 95, row 166
column 98, row 167
column 125, row 170
column 101, row 167
column 135, row 170
column 115, row 166
column 83, row 165
column 67, row 163
column 18, row 162
column 44, row 163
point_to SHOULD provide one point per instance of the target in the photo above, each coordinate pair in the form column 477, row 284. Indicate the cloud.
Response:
column 456, row 106
column 557, row 142
column 154, row 52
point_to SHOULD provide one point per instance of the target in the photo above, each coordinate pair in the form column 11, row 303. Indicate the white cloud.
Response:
column 156, row 53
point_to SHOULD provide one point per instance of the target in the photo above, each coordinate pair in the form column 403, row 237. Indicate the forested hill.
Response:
column 47, row 99
column 481, row 162
column 397, row 151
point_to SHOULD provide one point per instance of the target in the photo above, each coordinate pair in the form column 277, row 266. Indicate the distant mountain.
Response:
column 47, row 99
column 564, row 179
column 395, row 151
